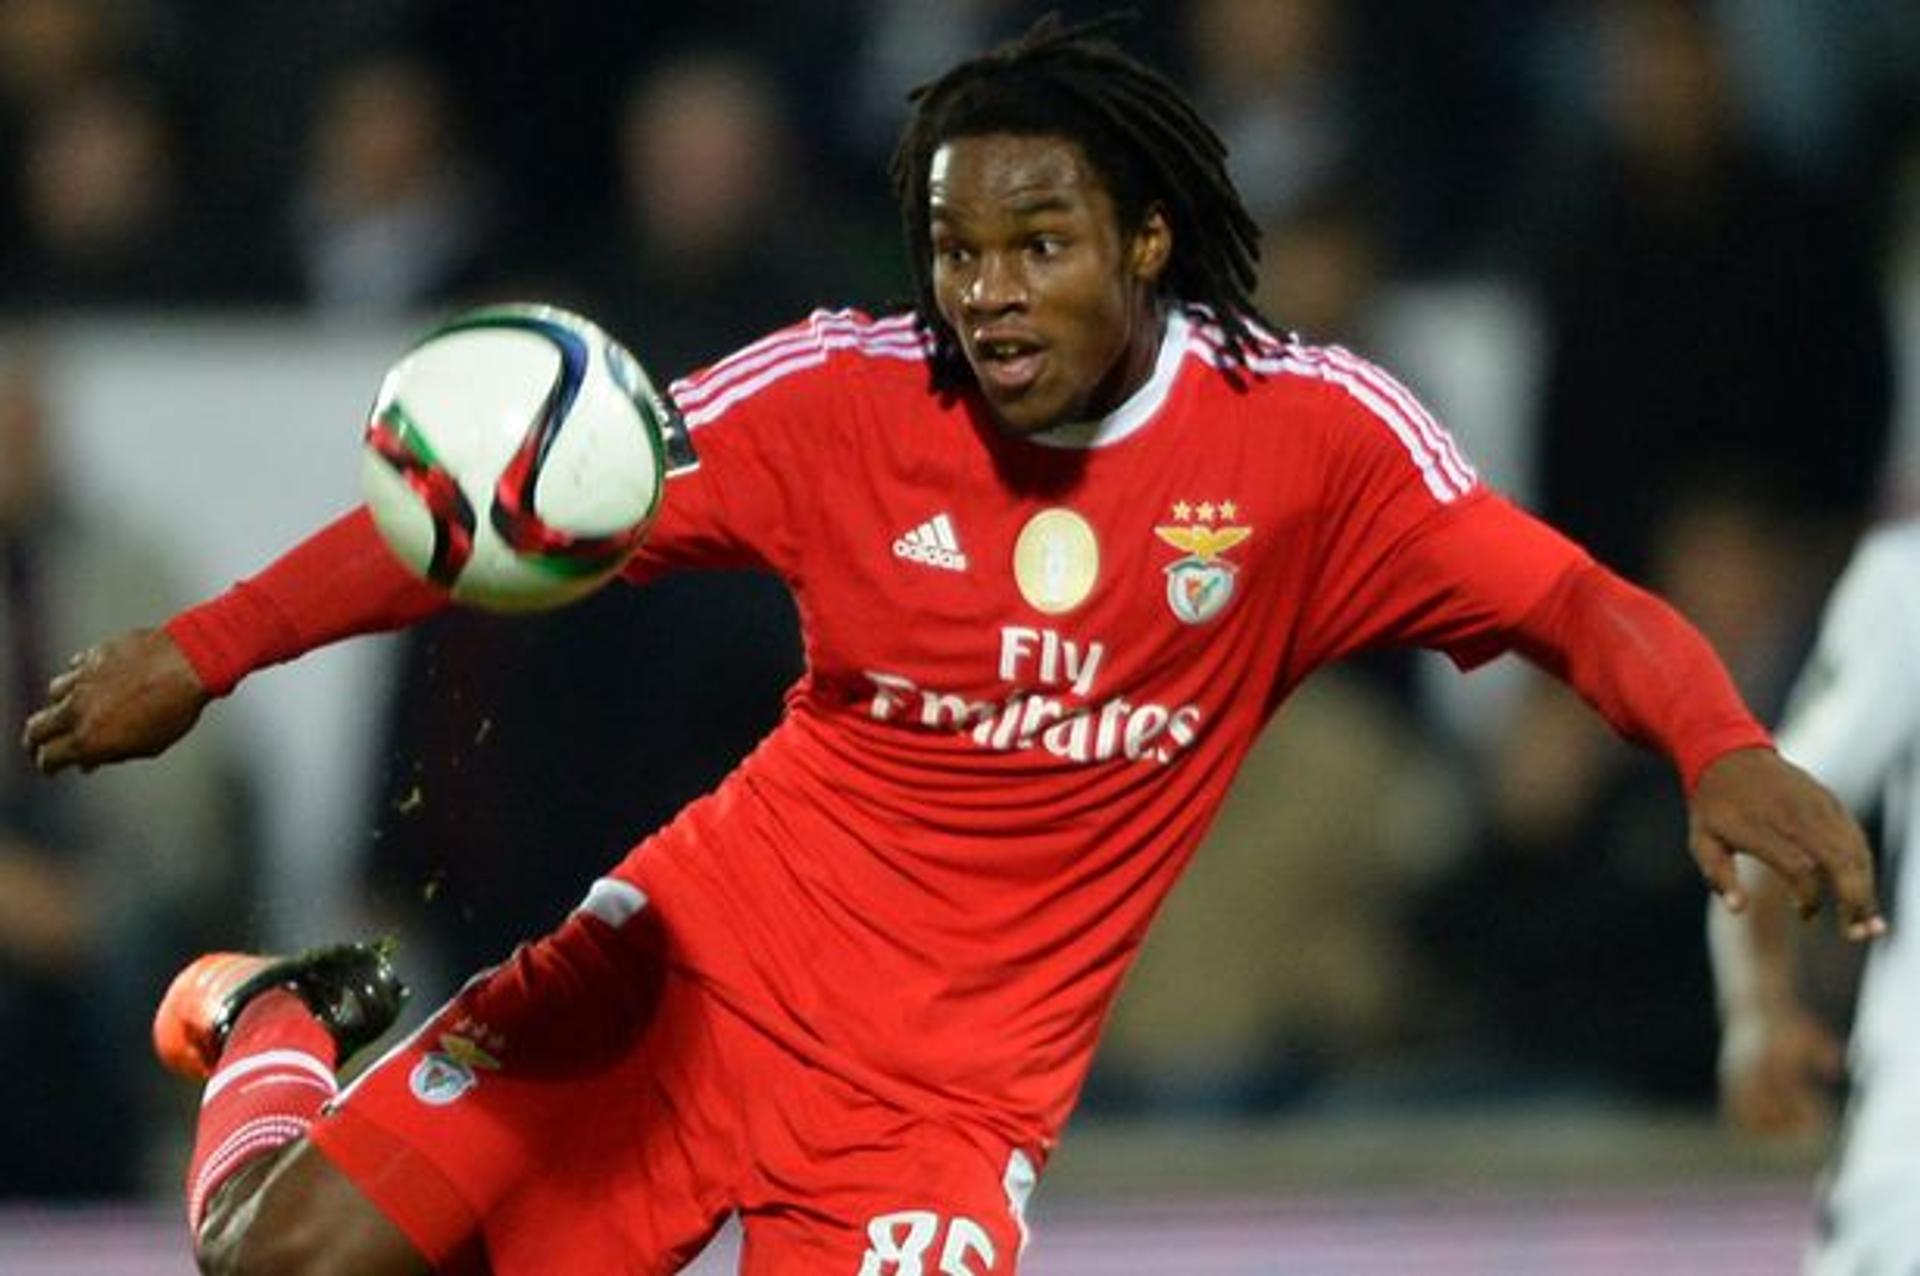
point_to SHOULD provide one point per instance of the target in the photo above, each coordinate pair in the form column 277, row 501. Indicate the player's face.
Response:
column 1052, row 303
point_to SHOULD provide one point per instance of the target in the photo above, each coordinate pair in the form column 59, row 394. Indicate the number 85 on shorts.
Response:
column 901, row 1244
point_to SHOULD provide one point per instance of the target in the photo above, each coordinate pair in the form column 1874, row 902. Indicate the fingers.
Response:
column 48, row 737
column 1715, row 859
column 1846, row 862
column 1854, row 890
column 130, row 697
column 1817, row 850
column 1715, row 856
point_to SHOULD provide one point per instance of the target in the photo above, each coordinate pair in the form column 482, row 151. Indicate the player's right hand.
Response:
column 1778, row 1071
column 129, row 697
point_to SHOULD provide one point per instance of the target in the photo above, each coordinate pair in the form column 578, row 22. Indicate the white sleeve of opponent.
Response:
column 1857, row 702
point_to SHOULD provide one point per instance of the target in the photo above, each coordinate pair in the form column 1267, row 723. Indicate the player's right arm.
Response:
column 1855, row 708
column 134, row 695
column 761, row 419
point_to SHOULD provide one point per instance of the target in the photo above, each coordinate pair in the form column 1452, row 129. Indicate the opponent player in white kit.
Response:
column 1853, row 721
column 1061, row 539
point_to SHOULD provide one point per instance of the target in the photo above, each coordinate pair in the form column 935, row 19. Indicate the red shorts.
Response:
column 587, row 1109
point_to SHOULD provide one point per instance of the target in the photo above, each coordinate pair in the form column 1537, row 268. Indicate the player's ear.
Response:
column 1152, row 246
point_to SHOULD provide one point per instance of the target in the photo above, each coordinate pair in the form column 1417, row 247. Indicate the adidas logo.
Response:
column 933, row 544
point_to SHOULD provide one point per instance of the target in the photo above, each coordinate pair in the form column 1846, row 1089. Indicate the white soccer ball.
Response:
column 515, row 456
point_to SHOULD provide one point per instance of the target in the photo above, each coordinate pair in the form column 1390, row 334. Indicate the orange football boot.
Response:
column 352, row 989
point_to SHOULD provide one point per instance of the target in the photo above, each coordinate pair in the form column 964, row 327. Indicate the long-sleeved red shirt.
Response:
column 1033, row 666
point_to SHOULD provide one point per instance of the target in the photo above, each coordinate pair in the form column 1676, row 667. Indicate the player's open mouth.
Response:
column 1007, row 367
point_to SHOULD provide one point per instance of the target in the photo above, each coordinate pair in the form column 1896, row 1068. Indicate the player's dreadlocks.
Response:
column 1137, row 129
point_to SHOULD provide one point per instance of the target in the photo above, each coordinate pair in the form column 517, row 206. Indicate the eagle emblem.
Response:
column 1200, row 584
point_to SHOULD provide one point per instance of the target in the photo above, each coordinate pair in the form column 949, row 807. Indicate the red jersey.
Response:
column 1033, row 667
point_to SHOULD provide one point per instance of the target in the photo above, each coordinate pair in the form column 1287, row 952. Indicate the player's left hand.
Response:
column 1754, row 802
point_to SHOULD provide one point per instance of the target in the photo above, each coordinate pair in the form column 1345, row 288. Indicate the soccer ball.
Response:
column 515, row 456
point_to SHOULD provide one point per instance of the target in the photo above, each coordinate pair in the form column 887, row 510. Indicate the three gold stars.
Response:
column 1205, row 512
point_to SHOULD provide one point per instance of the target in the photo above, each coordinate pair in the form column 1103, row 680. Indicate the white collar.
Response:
column 1139, row 407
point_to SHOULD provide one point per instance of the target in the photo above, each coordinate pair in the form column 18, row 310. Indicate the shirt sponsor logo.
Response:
column 1200, row 585
column 1115, row 728
column 933, row 544
column 1063, row 715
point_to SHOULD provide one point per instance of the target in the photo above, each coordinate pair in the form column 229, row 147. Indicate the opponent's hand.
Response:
column 130, row 697
column 1754, row 802
column 1777, row 1072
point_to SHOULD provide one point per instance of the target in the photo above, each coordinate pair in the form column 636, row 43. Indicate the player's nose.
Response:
column 998, row 284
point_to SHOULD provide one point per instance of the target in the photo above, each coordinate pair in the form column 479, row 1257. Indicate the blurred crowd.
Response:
column 1709, row 207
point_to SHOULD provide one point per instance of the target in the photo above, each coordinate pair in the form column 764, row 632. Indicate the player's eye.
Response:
column 1047, row 245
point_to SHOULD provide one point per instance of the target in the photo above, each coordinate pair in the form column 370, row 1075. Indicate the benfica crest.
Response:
column 1200, row 585
column 446, row 1074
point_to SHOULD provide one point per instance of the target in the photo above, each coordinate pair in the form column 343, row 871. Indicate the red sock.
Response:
column 275, row 1073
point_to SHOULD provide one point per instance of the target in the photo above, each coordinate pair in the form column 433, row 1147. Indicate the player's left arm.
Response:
column 1657, row 682
column 1416, row 551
